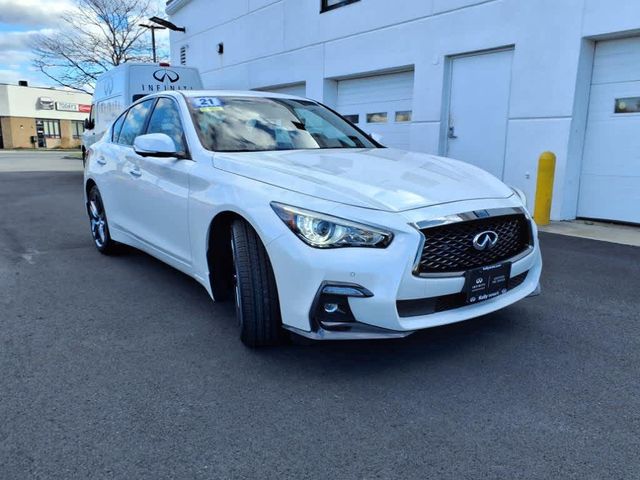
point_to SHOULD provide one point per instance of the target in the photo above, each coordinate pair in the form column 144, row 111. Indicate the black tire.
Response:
column 98, row 222
column 256, row 294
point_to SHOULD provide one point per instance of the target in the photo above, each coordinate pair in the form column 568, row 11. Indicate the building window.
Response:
column 380, row 117
column 77, row 128
column 404, row 116
column 326, row 5
column 183, row 55
column 51, row 128
column 352, row 118
column 627, row 105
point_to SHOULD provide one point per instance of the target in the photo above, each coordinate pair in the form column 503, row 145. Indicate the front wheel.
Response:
column 98, row 221
column 256, row 295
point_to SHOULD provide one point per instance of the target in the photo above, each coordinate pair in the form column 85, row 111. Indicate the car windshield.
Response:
column 249, row 124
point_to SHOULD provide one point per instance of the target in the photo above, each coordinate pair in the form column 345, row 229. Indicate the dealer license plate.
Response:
column 487, row 282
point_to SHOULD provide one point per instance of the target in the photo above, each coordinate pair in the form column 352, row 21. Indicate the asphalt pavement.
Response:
column 123, row 368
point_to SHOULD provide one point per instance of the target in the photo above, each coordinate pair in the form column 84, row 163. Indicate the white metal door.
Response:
column 380, row 104
column 476, row 127
column 610, row 179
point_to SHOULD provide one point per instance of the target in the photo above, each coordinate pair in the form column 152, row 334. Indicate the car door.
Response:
column 160, row 201
column 104, row 166
column 126, row 174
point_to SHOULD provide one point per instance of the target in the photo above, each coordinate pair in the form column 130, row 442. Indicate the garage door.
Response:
column 298, row 89
column 380, row 104
column 610, row 179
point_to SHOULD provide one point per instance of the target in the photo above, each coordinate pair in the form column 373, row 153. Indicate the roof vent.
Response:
column 23, row 83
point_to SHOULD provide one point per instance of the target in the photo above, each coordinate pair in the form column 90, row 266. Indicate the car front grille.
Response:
column 450, row 248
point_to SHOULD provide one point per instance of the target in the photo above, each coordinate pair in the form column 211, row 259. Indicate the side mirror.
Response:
column 376, row 137
column 87, row 124
column 155, row 145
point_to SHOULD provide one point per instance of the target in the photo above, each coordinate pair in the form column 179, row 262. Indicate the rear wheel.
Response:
column 98, row 221
column 256, row 295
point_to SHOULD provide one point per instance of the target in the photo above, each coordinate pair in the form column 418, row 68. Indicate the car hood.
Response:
column 382, row 178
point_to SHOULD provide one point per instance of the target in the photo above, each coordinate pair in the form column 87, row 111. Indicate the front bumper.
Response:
column 388, row 275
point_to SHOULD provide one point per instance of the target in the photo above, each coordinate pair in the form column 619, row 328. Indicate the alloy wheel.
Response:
column 98, row 221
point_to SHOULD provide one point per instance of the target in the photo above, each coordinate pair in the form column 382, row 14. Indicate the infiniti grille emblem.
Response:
column 485, row 240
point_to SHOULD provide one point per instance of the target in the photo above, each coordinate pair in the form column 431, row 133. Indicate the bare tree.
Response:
column 94, row 37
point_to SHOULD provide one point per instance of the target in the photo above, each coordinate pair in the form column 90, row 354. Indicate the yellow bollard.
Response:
column 544, row 188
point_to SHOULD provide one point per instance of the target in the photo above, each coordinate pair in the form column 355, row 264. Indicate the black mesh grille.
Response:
column 449, row 248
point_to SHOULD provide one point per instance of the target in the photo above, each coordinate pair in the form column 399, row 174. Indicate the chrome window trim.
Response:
column 463, row 217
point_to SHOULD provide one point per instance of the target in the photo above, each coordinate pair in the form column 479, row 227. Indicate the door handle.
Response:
column 135, row 172
column 101, row 161
column 452, row 132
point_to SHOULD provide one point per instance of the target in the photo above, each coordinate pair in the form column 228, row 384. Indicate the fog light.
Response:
column 331, row 307
column 331, row 310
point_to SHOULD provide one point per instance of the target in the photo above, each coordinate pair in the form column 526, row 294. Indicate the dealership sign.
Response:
column 72, row 107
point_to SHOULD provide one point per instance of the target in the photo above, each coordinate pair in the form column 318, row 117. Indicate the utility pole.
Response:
column 153, row 29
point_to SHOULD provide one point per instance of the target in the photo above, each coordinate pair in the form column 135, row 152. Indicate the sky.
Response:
column 20, row 20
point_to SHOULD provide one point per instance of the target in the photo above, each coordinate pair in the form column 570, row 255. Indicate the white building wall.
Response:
column 275, row 42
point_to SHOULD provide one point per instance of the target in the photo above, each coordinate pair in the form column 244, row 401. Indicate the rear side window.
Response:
column 166, row 119
column 134, row 122
column 115, row 131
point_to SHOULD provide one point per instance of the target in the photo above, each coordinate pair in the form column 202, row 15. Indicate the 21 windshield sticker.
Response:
column 208, row 104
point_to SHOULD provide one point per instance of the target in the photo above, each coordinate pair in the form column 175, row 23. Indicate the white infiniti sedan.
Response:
column 304, row 220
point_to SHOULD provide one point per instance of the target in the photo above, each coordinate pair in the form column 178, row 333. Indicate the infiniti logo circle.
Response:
column 108, row 86
column 485, row 240
column 164, row 74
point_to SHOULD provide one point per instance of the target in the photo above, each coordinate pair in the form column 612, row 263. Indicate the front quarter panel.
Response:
column 213, row 192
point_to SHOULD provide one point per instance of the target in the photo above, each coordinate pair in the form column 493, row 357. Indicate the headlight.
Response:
column 520, row 194
column 324, row 231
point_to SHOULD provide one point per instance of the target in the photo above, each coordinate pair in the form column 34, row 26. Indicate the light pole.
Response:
column 153, row 29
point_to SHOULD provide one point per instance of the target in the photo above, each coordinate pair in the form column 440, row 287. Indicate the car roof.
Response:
column 237, row 93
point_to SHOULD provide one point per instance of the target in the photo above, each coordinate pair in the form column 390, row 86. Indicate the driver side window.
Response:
column 117, row 126
column 166, row 119
column 134, row 122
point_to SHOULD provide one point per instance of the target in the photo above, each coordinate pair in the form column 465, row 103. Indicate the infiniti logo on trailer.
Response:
column 108, row 86
column 164, row 74
column 485, row 240
column 167, row 80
